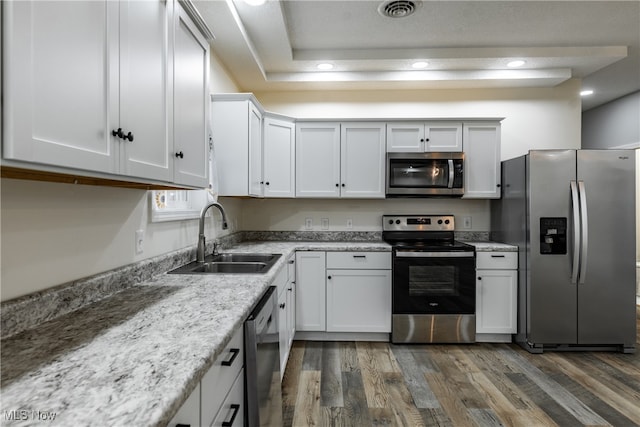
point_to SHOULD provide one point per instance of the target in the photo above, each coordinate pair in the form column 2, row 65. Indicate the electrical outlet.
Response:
column 349, row 223
column 324, row 223
column 466, row 222
column 308, row 223
column 139, row 241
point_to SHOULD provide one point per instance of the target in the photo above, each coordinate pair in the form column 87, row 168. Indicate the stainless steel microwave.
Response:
column 425, row 174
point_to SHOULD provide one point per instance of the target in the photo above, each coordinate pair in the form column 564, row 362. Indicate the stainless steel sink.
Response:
column 230, row 263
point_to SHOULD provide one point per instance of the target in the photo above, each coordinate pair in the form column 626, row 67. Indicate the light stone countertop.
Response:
column 133, row 358
column 492, row 247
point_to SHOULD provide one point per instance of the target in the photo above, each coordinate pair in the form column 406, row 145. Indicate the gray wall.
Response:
column 613, row 125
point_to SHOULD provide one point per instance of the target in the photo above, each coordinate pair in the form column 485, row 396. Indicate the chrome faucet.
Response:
column 202, row 243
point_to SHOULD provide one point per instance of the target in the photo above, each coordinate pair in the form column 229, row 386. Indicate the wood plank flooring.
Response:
column 365, row 384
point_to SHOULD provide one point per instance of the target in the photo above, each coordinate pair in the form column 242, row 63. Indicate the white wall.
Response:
column 54, row 233
column 613, row 125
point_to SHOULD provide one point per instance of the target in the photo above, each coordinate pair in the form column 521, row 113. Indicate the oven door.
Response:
column 434, row 282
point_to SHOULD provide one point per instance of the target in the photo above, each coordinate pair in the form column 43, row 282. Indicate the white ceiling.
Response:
column 277, row 46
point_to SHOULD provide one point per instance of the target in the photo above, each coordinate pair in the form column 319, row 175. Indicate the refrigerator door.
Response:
column 606, row 299
column 551, row 296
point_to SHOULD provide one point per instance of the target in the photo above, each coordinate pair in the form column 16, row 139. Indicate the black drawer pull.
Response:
column 497, row 256
column 236, row 409
column 235, row 352
column 359, row 256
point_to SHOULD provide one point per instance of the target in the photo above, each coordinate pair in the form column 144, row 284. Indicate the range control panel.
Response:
column 418, row 223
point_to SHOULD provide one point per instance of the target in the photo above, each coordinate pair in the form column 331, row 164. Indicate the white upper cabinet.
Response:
column 317, row 159
column 89, row 85
column 279, row 157
column 482, row 160
column 340, row 160
column 419, row 137
column 362, row 157
column 190, row 102
column 146, row 103
column 236, row 127
column 60, row 104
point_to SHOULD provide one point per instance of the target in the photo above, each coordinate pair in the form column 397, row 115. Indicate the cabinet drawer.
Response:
column 359, row 260
column 217, row 382
column 232, row 409
column 497, row 260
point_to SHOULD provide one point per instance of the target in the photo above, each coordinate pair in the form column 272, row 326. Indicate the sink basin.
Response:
column 230, row 263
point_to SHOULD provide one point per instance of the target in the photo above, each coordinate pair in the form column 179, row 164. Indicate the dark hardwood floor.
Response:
column 379, row 384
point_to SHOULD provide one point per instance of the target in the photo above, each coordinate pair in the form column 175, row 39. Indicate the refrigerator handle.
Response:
column 575, row 204
column 583, row 231
column 451, row 174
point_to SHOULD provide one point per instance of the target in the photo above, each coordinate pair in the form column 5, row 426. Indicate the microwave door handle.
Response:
column 584, row 231
column 575, row 206
column 451, row 174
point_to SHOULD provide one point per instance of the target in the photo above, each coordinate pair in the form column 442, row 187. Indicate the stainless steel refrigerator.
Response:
column 572, row 215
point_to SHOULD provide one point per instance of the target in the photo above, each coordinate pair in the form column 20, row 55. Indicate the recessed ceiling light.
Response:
column 420, row 64
column 586, row 92
column 515, row 64
column 255, row 2
column 325, row 66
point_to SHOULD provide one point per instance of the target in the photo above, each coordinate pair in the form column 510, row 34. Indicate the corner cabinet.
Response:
column 482, row 178
column 96, row 97
column 419, row 137
column 496, row 296
column 236, row 127
column 336, row 160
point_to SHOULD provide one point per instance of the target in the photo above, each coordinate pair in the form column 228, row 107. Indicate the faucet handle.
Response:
column 215, row 248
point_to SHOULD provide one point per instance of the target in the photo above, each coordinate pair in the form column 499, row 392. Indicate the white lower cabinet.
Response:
column 231, row 411
column 358, row 300
column 496, row 296
column 343, row 292
column 285, row 282
column 310, row 291
column 189, row 412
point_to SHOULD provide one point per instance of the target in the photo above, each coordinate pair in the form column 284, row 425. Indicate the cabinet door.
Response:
column 146, row 101
column 190, row 102
column 405, row 137
column 358, row 300
column 496, row 299
column 60, row 83
column 317, row 160
column 443, row 136
column 279, row 158
column 283, row 331
column 310, row 291
column 255, row 151
column 362, row 170
column 481, row 160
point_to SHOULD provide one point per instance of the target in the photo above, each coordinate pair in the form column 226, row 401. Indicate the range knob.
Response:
column 446, row 221
column 390, row 221
column 439, row 221
column 397, row 221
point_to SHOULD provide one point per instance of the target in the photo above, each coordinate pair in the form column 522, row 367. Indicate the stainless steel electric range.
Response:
column 434, row 287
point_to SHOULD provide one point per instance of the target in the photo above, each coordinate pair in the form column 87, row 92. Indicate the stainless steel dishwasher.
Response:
column 262, row 363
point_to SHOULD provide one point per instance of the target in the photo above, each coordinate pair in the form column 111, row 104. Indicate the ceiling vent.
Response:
column 397, row 8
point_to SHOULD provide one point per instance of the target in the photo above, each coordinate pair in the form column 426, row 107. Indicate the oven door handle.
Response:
column 468, row 254
column 451, row 174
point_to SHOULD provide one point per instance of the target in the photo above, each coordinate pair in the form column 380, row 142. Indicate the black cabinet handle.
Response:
column 289, row 289
column 343, row 184
column 479, row 278
column 426, row 139
column 267, row 182
column 497, row 256
column 359, row 256
column 498, row 185
column 261, row 182
column 282, row 305
column 337, row 185
column 236, row 409
column 328, row 277
column 291, row 261
column 235, row 352
column 128, row 136
column 183, row 425
column 117, row 133
column 180, row 154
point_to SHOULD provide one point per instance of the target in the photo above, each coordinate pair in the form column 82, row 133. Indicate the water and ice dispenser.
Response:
column 553, row 236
